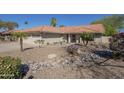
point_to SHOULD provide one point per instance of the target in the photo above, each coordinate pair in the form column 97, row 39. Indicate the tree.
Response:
column 86, row 37
column 11, row 25
column 112, row 24
column 53, row 22
column 20, row 36
column 8, row 25
column 2, row 25
column 117, row 45
column 26, row 23
column 62, row 26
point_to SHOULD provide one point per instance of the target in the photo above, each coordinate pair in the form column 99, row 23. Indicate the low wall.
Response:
column 103, row 39
column 30, row 40
column 48, row 38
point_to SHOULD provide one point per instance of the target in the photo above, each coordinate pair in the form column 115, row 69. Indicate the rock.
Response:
column 34, row 71
column 51, row 56
column 72, row 49
column 30, row 77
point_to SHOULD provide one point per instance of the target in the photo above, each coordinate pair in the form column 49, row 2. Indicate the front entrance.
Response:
column 73, row 38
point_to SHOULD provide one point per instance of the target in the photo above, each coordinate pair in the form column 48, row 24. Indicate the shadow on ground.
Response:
column 105, row 54
column 28, row 48
column 24, row 69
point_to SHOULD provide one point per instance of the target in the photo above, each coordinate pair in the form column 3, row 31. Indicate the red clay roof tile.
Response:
column 95, row 28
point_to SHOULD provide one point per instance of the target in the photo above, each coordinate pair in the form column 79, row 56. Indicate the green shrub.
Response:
column 117, row 45
column 39, row 42
column 86, row 37
column 10, row 68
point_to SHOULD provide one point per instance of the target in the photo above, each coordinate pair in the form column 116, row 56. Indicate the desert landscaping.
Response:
column 61, row 62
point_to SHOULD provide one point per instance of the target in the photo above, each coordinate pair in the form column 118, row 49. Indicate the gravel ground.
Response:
column 12, row 46
column 54, row 63
column 31, row 53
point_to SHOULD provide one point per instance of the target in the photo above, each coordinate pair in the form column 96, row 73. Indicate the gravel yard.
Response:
column 53, row 62
column 30, row 53
column 12, row 46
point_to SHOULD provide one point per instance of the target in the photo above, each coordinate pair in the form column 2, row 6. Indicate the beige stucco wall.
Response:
column 78, row 38
column 102, row 39
column 97, row 38
column 31, row 39
column 47, row 37
column 105, row 39
column 52, row 38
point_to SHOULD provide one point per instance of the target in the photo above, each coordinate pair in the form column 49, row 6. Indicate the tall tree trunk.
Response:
column 21, row 44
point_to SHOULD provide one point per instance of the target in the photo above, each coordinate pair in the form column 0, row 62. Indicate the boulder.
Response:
column 51, row 56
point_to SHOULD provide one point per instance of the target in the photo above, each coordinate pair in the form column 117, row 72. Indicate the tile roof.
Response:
column 95, row 28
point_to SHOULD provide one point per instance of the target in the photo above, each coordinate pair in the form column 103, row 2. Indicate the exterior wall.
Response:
column 47, row 37
column 31, row 39
column 78, row 39
column 69, row 38
column 101, row 39
column 97, row 38
column 52, row 38
column 57, row 38
column 105, row 39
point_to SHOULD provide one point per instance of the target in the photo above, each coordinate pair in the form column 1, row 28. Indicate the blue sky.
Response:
column 44, row 19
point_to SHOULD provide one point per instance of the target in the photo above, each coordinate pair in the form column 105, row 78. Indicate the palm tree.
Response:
column 53, row 22
column 26, row 23
column 62, row 26
column 20, row 36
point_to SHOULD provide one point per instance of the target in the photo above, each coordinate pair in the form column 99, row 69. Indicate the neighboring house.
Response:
column 68, row 34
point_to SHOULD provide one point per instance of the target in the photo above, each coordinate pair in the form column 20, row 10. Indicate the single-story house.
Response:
column 68, row 34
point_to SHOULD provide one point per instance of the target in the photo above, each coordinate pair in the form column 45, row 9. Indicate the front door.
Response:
column 73, row 38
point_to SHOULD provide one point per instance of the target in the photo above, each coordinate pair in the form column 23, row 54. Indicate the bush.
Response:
column 117, row 44
column 86, row 37
column 39, row 42
column 10, row 68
